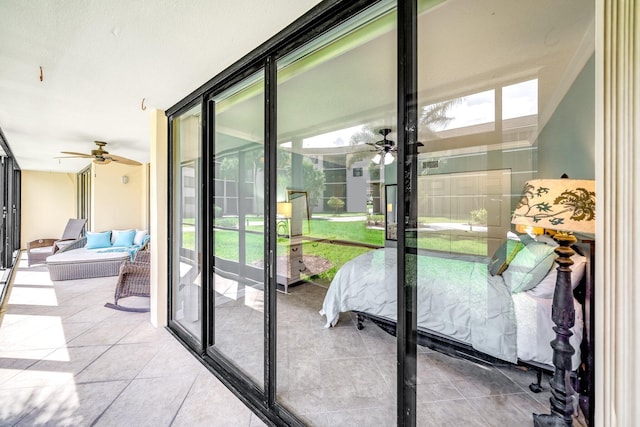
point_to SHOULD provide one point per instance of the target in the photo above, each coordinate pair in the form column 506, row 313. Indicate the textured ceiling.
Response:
column 100, row 59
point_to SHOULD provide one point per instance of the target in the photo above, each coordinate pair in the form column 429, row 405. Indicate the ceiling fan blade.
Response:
column 123, row 160
column 73, row 153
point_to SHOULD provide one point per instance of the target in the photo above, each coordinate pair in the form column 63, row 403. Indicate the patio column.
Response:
column 158, row 217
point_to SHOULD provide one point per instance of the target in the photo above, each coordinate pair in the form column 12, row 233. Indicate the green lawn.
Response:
column 327, row 229
column 352, row 231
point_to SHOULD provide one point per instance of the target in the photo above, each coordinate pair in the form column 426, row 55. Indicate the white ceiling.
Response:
column 100, row 59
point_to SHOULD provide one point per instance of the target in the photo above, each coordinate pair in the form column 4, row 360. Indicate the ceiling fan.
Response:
column 100, row 156
column 384, row 148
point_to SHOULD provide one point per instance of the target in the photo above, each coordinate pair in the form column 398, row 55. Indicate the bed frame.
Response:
column 582, row 378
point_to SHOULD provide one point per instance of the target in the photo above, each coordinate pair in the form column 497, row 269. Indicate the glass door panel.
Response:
column 187, row 222
column 238, row 225
column 501, row 101
column 336, row 97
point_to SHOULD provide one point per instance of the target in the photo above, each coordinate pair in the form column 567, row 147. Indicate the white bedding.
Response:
column 535, row 329
column 465, row 303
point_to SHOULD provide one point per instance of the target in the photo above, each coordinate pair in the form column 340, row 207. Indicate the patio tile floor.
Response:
column 65, row 359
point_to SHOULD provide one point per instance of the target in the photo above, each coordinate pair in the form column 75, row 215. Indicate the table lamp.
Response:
column 568, row 206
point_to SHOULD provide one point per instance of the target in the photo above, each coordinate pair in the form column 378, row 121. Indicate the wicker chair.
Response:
column 38, row 250
column 134, row 280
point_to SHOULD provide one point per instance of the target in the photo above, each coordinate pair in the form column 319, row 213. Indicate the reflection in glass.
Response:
column 186, row 245
column 504, row 120
column 330, row 109
column 238, row 226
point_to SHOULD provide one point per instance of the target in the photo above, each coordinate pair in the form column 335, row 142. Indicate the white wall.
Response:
column 116, row 205
column 48, row 202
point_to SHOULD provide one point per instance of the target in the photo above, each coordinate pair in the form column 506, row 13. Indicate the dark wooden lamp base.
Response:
column 564, row 399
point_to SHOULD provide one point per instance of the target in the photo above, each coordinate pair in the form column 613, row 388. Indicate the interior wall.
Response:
column 116, row 205
column 570, row 132
column 48, row 202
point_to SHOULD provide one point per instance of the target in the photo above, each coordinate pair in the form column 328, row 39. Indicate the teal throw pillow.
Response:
column 125, row 238
column 529, row 267
column 98, row 240
column 503, row 256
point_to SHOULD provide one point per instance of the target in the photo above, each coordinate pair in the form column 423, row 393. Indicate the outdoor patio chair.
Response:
column 38, row 250
column 133, row 281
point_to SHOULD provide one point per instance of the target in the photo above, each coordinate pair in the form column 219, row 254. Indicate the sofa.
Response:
column 96, row 254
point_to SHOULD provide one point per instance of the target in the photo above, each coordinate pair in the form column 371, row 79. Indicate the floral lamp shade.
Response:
column 558, row 204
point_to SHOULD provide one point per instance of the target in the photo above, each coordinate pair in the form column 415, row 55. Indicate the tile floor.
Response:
column 343, row 376
column 67, row 360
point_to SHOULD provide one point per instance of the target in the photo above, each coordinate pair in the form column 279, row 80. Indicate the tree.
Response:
column 313, row 182
column 335, row 204
column 435, row 115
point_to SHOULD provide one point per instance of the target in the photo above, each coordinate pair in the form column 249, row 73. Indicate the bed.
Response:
column 465, row 301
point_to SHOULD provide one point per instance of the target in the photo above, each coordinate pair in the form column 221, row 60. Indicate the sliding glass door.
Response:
column 336, row 151
column 335, row 228
column 238, row 224
column 505, row 98
column 10, row 204
column 83, row 195
column 186, row 249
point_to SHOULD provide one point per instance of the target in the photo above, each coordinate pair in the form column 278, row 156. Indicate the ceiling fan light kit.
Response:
column 384, row 148
column 101, row 156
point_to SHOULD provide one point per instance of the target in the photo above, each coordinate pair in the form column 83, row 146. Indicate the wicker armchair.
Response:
column 134, row 280
column 38, row 250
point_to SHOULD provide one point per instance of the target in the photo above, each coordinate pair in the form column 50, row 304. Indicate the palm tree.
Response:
column 431, row 117
column 434, row 116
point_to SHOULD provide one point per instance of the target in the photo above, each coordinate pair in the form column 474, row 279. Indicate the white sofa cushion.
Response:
column 87, row 255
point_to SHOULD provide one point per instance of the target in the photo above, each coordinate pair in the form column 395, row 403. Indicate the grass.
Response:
column 322, row 227
column 337, row 254
column 352, row 231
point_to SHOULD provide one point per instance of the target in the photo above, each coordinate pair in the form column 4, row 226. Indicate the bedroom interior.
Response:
column 511, row 105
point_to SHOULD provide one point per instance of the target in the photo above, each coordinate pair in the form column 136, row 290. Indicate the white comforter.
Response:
column 456, row 298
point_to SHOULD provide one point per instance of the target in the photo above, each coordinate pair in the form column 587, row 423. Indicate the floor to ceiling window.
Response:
column 238, row 225
column 10, row 205
column 335, row 96
column 505, row 98
column 339, row 202
column 186, row 241
column 83, row 195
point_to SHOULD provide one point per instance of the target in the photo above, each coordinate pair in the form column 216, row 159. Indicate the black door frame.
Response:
column 317, row 21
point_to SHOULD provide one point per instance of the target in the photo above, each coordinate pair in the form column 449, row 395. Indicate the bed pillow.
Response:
column 546, row 239
column 503, row 256
column 547, row 286
column 125, row 238
column 529, row 267
column 114, row 234
column 98, row 240
column 140, row 236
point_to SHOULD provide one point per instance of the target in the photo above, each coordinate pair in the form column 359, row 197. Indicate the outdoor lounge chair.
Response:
column 133, row 281
column 38, row 250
